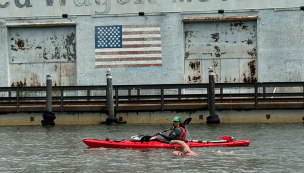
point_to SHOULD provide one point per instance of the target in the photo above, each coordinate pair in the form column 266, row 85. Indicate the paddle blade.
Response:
column 187, row 121
column 145, row 139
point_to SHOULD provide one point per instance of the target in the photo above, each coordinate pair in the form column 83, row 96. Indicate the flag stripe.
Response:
column 126, row 52
column 141, row 36
column 141, row 39
column 140, row 29
column 128, row 59
column 127, row 56
column 140, row 45
column 128, row 62
column 128, row 65
column 130, row 49
column 140, row 32
column 140, row 26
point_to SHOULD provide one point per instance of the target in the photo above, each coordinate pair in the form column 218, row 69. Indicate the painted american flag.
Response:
column 123, row 46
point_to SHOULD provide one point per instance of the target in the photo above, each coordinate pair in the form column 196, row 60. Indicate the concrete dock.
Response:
column 237, row 111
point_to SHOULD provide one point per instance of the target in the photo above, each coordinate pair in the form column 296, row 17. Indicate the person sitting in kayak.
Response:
column 178, row 131
column 185, row 149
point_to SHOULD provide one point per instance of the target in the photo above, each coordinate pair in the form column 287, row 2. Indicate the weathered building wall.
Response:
column 54, row 8
column 279, row 37
column 38, row 51
column 227, row 46
column 170, row 71
column 280, row 52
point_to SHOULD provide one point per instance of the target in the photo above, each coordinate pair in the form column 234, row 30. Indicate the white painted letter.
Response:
column 85, row 2
column 5, row 5
column 107, row 5
column 27, row 3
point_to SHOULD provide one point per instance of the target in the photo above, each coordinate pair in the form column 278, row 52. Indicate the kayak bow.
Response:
column 95, row 143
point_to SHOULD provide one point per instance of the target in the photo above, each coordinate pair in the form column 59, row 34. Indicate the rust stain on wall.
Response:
column 34, row 80
column 196, row 67
column 244, row 27
column 56, row 67
column 235, row 24
column 249, row 41
column 252, row 75
column 20, row 44
column 186, row 55
column 188, row 35
column 215, row 36
column 216, row 75
column 217, row 48
column 64, row 47
column 252, row 52
column 207, row 54
column 215, row 64
column 65, row 71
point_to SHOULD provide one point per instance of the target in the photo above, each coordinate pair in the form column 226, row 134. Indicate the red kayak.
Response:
column 95, row 143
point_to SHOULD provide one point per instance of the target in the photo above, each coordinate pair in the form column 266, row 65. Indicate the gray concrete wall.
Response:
column 227, row 116
column 279, row 59
column 172, row 52
column 280, row 48
column 3, row 55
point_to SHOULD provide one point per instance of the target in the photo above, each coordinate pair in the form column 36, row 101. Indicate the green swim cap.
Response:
column 177, row 118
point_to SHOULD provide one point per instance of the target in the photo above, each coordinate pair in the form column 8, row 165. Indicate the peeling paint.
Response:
column 236, row 24
column 217, row 48
column 59, row 45
column 249, row 41
column 225, row 45
column 186, row 55
column 195, row 67
column 215, row 36
column 252, row 52
column 252, row 75
column 34, row 55
column 244, row 27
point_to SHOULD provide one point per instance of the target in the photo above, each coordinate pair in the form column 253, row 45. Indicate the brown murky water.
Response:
column 274, row 148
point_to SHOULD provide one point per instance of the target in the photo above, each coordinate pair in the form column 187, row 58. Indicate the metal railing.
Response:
column 16, row 95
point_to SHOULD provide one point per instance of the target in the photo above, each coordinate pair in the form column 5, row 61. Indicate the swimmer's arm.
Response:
column 185, row 147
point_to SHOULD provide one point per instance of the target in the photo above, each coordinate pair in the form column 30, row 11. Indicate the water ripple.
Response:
column 274, row 148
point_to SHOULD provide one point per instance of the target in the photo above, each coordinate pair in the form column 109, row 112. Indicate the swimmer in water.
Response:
column 185, row 148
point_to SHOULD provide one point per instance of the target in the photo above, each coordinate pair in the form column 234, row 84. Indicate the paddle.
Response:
column 202, row 141
column 147, row 138
column 223, row 139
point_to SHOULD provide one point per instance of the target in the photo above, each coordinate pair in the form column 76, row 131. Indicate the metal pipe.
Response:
column 111, row 120
column 212, row 118
column 39, row 24
column 48, row 115
column 211, row 90
column 48, row 93
column 110, row 105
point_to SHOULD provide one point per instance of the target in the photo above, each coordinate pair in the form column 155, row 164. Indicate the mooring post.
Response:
column 48, row 93
column 111, row 120
column 48, row 115
column 212, row 118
